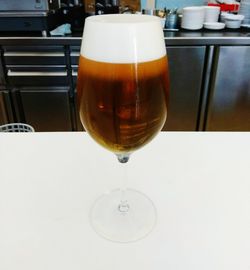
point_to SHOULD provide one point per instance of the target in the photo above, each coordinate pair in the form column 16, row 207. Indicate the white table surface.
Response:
column 199, row 182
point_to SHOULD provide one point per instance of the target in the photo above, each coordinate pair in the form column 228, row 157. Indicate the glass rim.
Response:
column 123, row 19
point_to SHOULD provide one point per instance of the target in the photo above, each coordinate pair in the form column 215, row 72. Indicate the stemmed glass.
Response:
column 122, row 95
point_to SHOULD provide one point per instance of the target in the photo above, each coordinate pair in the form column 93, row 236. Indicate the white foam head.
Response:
column 123, row 38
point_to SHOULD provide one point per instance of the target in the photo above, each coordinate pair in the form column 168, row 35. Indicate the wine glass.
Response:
column 122, row 94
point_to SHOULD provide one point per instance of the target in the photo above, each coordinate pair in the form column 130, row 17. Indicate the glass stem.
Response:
column 123, row 207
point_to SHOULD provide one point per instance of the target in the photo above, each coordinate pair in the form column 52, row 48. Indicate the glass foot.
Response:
column 123, row 220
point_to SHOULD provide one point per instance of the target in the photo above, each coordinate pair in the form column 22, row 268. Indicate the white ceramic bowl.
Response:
column 193, row 18
column 214, row 25
column 233, row 21
column 233, row 24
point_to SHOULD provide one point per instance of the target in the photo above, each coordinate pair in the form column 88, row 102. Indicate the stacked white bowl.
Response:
column 194, row 18
column 245, row 10
column 211, row 18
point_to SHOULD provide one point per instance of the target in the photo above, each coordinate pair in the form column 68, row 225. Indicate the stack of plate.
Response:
column 245, row 10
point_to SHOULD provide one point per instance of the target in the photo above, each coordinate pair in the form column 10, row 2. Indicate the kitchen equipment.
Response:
column 74, row 14
column 156, row 12
column 29, row 5
column 125, row 6
column 172, row 19
column 30, row 15
column 193, row 18
column 212, row 14
column 106, row 7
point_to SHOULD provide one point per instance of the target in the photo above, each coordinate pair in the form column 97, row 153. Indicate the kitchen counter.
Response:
column 226, row 37
column 199, row 183
column 182, row 37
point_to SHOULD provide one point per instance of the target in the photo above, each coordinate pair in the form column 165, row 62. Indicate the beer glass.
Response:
column 122, row 96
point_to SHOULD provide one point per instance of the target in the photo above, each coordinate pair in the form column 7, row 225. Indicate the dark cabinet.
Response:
column 2, row 76
column 35, row 66
column 186, row 66
column 46, row 109
column 6, row 115
column 229, row 103
column 37, row 76
column 40, row 81
column 34, row 55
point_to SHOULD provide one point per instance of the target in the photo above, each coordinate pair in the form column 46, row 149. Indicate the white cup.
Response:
column 193, row 18
column 212, row 14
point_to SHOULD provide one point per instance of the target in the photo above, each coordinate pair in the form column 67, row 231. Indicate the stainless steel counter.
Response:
column 207, row 37
column 226, row 37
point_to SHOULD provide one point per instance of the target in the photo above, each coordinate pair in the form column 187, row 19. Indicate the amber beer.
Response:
column 122, row 91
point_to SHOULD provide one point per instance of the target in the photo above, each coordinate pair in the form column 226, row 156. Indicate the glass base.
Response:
column 124, row 217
